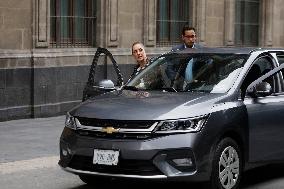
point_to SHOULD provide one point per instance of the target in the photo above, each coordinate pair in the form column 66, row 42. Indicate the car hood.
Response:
column 142, row 105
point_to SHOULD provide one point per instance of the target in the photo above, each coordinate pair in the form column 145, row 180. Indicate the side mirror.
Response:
column 106, row 84
column 260, row 90
column 103, row 86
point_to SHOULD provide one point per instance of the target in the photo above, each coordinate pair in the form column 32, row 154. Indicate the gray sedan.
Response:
column 197, row 115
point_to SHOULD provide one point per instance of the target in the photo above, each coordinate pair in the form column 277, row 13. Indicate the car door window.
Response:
column 260, row 67
column 280, row 58
column 103, row 68
column 266, row 65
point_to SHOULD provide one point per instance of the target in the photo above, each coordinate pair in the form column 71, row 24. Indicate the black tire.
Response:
column 226, row 165
column 91, row 180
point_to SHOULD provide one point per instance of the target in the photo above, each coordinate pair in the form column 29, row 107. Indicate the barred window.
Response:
column 172, row 15
column 72, row 23
column 247, row 23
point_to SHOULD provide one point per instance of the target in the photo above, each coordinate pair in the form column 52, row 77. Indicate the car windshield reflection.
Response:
column 210, row 73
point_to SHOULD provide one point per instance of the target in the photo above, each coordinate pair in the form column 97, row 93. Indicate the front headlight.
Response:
column 181, row 125
column 70, row 122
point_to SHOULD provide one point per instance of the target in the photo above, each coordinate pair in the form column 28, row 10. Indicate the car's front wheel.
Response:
column 227, row 165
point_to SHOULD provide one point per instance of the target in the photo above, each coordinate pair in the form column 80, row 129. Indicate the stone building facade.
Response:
column 37, row 80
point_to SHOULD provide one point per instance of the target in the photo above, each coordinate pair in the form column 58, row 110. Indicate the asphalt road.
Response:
column 29, row 154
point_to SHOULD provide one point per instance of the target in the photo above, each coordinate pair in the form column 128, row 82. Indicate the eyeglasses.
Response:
column 190, row 36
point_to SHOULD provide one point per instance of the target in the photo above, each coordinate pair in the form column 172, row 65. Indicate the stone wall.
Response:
column 215, row 23
column 278, row 25
column 37, row 81
column 24, row 24
column 15, row 24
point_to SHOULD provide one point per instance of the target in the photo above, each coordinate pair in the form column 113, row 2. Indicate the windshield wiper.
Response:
column 196, row 91
column 169, row 89
column 132, row 88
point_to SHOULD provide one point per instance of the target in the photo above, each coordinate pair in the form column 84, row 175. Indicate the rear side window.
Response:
column 260, row 67
column 281, row 61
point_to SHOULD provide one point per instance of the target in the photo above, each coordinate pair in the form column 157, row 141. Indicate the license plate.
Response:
column 105, row 157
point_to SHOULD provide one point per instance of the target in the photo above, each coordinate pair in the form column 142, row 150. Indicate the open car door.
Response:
column 104, row 75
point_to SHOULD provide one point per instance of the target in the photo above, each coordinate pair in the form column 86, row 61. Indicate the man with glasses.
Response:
column 189, row 39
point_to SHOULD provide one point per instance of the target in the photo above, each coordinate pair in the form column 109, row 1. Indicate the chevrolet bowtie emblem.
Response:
column 109, row 130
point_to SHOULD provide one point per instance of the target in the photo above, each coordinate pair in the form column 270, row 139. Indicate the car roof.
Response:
column 228, row 50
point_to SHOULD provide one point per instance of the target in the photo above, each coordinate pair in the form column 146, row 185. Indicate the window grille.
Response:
column 247, row 23
column 72, row 23
column 172, row 15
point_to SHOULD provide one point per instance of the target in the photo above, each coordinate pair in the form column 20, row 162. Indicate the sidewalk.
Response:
column 30, row 138
column 33, row 121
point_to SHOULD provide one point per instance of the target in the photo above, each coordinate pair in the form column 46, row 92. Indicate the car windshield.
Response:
column 202, row 72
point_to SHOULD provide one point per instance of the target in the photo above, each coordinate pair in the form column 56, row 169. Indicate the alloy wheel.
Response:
column 229, row 167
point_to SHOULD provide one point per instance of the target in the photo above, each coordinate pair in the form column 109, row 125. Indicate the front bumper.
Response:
column 172, row 157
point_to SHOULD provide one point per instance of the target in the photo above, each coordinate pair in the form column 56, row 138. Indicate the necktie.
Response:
column 188, row 70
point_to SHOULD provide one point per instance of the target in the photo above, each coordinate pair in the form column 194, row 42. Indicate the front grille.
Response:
column 115, row 135
column 126, row 167
column 115, row 129
column 128, row 124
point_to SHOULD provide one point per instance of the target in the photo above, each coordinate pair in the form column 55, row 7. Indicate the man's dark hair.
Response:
column 185, row 28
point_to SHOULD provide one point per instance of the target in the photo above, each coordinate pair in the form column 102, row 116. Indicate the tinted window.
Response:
column 281, row 61
column 260, row 67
